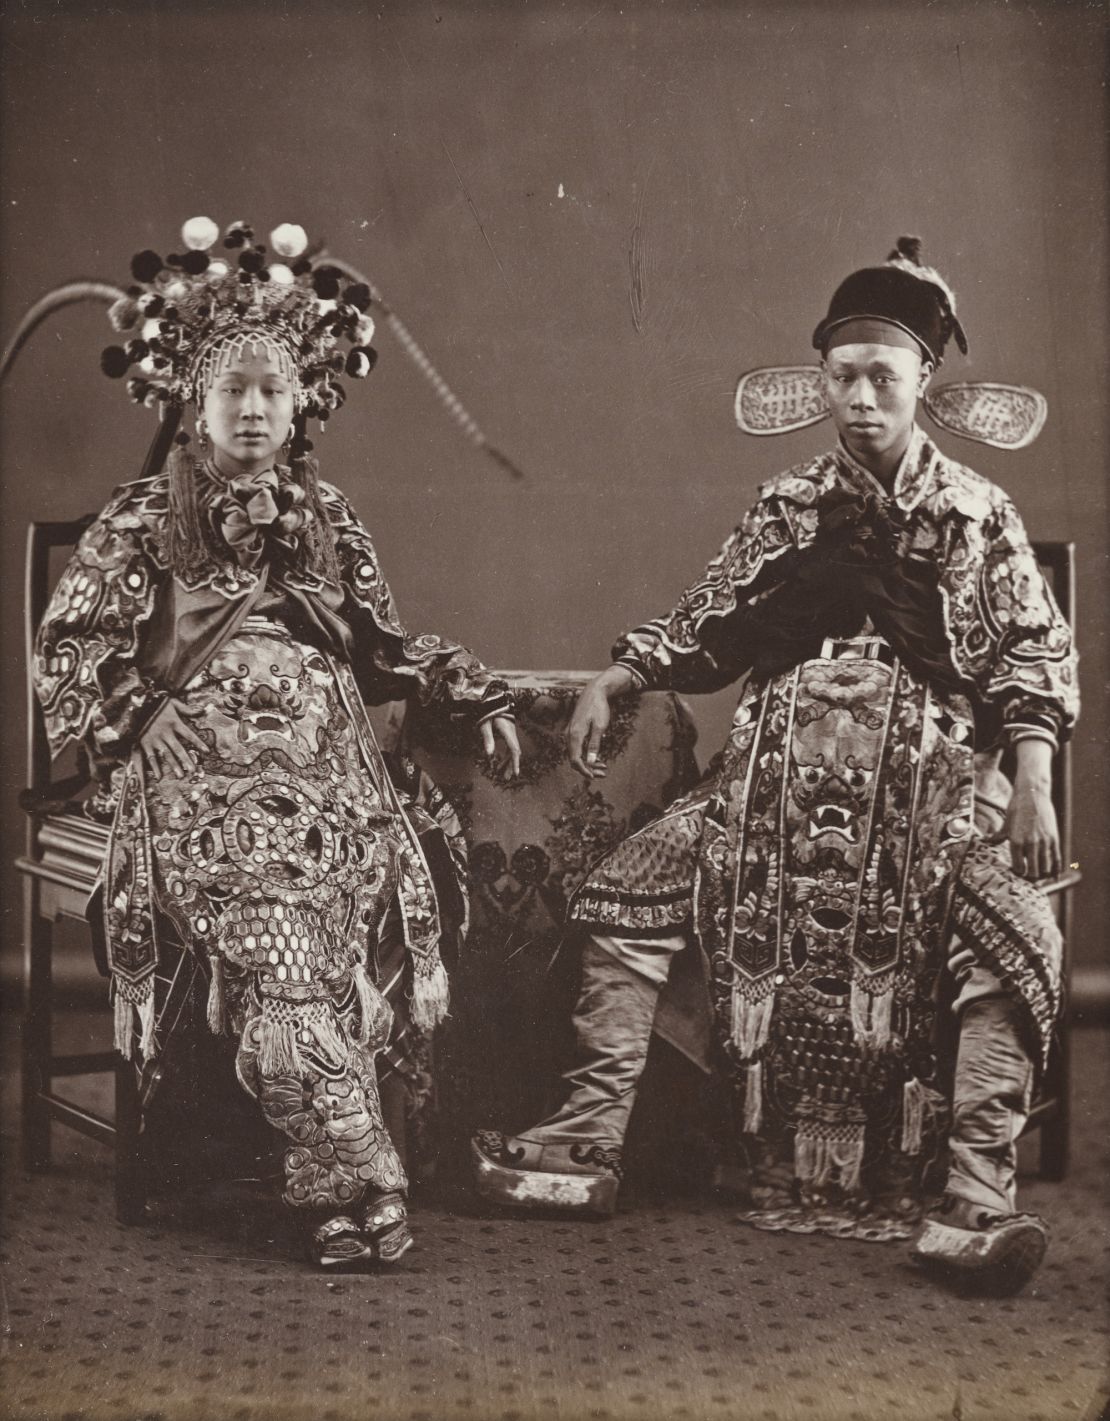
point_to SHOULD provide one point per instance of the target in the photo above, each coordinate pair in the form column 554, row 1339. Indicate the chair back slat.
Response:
column 1057, row 562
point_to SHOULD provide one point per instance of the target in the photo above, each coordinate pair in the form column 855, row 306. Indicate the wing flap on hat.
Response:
column 1004, row 416
column 777, row 399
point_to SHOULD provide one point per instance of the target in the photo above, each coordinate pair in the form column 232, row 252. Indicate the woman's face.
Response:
column 247, row 411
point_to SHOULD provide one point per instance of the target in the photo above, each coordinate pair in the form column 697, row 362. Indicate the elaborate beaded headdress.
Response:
column 186, row 313
column 189, row 306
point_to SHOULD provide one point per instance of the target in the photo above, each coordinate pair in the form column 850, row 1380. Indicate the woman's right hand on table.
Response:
column 169, row 742
column 590, row 720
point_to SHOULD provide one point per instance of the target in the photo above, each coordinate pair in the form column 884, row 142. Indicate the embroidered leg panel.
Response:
column 1009, row 926
column 326, row 1102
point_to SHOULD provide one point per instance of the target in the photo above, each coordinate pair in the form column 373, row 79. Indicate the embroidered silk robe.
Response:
column 889, row 641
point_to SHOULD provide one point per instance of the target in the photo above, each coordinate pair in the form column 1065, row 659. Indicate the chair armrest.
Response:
column 1060, row 884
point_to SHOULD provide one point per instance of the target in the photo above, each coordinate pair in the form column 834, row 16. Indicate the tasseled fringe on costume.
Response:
column 920, row 1104
column 278, row 1049
column 871, row 1015
column 187, row 546
column 753, row 1098
column 430, row 995
column 751, row 1023
column 318, row 537
column 217, row 996
column 913, row 1115
column 818, row 1158
column 131, row 1018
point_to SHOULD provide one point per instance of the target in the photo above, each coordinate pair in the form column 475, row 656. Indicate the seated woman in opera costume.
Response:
column 212, row 644
column 856, row 864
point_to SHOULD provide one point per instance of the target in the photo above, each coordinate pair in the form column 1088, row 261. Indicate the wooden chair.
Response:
column 1051, row 1113
column 64, row 852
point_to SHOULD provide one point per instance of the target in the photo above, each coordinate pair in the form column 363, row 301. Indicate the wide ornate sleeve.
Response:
column 389, row 662
column 84, row 668
column 1030, row 678
column 706, row 643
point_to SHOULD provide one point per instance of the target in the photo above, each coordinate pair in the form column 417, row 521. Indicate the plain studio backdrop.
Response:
column 595, row 217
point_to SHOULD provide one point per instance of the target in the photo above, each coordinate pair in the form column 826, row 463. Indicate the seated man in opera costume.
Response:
column 857, row 871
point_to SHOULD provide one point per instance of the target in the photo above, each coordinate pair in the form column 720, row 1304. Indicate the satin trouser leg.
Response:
column 621, row 979
column 992, row 1093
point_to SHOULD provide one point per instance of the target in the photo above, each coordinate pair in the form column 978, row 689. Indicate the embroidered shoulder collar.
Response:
column 914, row 478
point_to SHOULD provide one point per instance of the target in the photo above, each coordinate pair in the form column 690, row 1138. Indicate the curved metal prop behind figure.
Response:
column 212, row 643
column 897, row 634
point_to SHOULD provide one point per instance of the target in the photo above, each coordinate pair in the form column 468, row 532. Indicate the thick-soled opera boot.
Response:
column 975, row 1236
column 996, row 1254
column 572, row 1160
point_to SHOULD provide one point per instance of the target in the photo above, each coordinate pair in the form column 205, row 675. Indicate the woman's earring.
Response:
column 202, row 435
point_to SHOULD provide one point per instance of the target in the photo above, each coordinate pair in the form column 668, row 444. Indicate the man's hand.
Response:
column 169, row 742
column 590, row 720
column 1031, row 818
column 505, row 730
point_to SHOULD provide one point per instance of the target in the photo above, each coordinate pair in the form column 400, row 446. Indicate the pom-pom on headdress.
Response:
column 189, row 311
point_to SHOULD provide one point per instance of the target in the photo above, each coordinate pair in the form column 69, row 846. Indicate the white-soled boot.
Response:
column 572, row 1160
column 975, row 1235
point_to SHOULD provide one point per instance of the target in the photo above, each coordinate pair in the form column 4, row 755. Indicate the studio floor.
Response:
column 670, row 1310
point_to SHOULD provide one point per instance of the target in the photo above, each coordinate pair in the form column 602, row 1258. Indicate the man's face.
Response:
column 872, row 392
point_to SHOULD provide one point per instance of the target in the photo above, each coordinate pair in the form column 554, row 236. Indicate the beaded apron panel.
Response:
column 276, row 859
column 850, row 801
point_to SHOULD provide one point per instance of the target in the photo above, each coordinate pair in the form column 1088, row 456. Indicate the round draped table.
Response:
column 531, row 842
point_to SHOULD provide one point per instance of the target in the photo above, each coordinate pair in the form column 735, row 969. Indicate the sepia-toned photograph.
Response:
column 555, row 822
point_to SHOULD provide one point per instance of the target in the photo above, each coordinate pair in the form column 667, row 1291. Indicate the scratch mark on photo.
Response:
column 474, row 213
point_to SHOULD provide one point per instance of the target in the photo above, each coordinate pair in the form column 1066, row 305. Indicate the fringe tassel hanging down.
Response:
column 818, row 1158
column 753, row 1098
column 131, row 1019
column 430, row 996
column 283, row 1029
column 123, row 1026
column 277, row 1048
column 217, row 996
column 751, row 1022
column 146, row 1025
column 187, row 550
column 319, row 540
column 913, row 1115
column 871, row 1014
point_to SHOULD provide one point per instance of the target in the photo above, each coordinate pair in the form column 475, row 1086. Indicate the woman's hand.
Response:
column 1031, row 818
column 505, row 730
column 590, row 720
column 169, row 742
